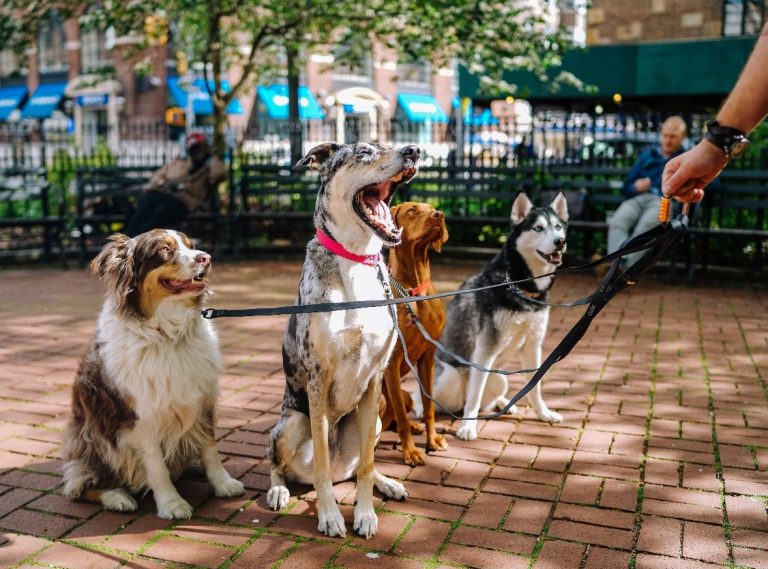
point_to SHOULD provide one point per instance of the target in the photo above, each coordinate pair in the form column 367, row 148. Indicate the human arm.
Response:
column 686, row 176
column 158, row 179
column 218, row 171
column 637, row 180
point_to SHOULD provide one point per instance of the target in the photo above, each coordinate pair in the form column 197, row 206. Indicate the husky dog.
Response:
column 334, row 361
column 480, row 326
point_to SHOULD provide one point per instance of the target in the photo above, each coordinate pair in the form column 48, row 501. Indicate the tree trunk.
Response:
column 219, row 145
column 294, row 120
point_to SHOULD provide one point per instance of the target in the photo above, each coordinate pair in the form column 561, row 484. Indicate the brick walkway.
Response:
column 662, row 460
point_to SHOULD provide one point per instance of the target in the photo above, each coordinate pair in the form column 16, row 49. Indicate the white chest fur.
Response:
column 356, row 343
column 165, row 364
column 514, row 328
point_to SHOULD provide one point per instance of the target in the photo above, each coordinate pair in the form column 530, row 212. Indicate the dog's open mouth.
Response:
column 371, row 203
column 195, row 284
column 554, row 258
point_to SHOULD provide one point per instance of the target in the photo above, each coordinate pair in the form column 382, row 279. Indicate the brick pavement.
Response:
column 661, row 461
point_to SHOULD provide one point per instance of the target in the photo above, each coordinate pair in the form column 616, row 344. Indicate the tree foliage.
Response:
column 488, row 37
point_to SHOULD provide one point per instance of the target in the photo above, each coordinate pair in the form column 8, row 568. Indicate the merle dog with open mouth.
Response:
column 334, row 361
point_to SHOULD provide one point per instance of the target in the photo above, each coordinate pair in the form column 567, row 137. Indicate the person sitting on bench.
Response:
column 178, row 188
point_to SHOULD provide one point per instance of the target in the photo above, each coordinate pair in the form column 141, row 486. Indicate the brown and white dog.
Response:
column 423, row 229
column 144, row 398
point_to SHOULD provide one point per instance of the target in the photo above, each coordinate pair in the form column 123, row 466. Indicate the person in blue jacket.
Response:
column 642, row 189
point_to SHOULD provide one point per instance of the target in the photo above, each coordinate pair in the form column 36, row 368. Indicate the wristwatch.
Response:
column 730, row 140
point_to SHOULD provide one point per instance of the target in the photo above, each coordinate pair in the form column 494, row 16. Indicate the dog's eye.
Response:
column 165, row 249
column 412, row 211
column 558, row 227
column 538, row 228
column 366, row 151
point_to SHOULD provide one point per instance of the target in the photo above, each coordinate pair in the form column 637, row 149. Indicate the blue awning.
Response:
column 10, row 97
column 275, row 99
column 46, row 98
column 421, row 108
column 201, row 98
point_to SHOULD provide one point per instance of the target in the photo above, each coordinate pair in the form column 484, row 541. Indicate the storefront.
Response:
column 273, row 110
column 193, row 98
column 96, row 109
column 416, row 116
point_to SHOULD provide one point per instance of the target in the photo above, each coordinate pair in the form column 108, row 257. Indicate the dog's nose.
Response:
column 438, row 214
column 203, row 259
column 559, row 243
column 411, row 150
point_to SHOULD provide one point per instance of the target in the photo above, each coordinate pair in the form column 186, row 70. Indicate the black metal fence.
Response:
column 472, row 172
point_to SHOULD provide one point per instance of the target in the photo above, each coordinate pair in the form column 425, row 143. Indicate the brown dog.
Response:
column 423, row 226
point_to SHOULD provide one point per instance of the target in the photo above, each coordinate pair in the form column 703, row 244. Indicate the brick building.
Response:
column 74, row 79
column 630, row 21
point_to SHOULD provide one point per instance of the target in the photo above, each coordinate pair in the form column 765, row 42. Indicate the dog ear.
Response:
column 560, row 206
column 438, row 245
column 316, row 157
column 393, row 210
column 521, row 207
column 115, row 267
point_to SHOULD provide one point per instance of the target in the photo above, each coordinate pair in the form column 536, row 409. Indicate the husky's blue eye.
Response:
column 558, row 227
column 538, row 228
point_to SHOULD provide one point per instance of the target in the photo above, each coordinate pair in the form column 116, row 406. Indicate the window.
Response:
column 9, row 64
column 51, row 53
column 93, row 51
column 742, row 17
column 357, row 66
column 414, row 73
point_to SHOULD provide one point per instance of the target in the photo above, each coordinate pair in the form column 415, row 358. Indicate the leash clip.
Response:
column 208, row 313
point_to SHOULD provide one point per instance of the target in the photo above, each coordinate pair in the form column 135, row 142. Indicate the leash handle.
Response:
column 664, row 207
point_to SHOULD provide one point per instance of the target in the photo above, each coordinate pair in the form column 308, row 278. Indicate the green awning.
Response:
column 648, row 70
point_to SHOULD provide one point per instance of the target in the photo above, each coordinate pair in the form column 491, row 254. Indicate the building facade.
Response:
column 630, row 21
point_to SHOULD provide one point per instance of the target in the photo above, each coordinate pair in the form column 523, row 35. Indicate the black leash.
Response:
column 641, row 242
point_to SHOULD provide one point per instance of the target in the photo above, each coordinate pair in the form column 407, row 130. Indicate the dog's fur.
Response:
column 423, row 228
column 481, row 325
column 143, row 401
column 334, row 361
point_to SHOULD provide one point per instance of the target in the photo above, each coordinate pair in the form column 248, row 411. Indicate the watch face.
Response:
column 738, row 147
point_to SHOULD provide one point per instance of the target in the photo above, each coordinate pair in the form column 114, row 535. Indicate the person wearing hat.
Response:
column 177, row 188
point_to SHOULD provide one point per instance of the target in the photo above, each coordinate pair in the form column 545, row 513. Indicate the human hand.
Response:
column 686, row 175
column 642, row 185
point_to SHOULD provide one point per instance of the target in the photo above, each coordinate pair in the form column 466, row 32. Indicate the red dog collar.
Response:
column 338, row 249
column 421, row 289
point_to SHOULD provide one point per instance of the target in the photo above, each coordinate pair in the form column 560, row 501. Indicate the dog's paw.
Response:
column 437, row 443
column 175, row 509
column 277, row 497
column 413, row 456
column 118, row 500
column 416, row 427
column 390, row 488
column 501, row 404
column 467, row 432
column 331, row 522
column 229, row 487
column 549, row 416
column 366, row 522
